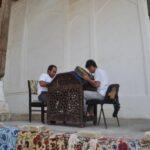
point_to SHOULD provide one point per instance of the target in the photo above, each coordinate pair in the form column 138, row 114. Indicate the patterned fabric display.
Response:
column 42, row 138
column 105, row 143
column 8, row 138
column 35, row 128
column 28, row 140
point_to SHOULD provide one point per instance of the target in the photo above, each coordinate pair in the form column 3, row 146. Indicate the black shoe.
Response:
column 116, row 109
column 115, row 114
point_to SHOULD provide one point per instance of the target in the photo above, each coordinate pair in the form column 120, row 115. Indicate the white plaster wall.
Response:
column 68, row 32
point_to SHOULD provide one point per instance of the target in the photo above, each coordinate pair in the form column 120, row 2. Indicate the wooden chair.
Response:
column 32, row 87
column 111, row 98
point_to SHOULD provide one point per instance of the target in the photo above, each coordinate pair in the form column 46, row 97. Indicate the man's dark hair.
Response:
column 90, row 63
column 51, row 67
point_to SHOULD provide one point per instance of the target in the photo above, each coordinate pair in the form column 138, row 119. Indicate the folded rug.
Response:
column 45, row 140
column 42, row 138
column 8, row 138
column 35, row 128
column 78, row 142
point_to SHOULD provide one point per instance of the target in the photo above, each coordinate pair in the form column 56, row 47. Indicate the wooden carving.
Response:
column 0, row 3
column 4, row 26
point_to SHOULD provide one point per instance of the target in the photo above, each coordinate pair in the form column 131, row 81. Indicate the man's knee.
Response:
column 87, row 94
column 43, row 97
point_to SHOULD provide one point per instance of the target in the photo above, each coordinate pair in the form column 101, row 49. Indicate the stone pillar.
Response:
column 4, row 109
column 5, row 8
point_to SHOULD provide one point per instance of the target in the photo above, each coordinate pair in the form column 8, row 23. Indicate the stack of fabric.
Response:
column 103, row 143
column 8, row 138
column 42, row 138
column 41, row 141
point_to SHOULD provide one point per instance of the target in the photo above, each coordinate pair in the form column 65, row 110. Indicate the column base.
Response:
column 4, row 109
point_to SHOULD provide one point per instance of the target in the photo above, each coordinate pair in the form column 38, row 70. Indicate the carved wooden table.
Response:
column 65, row 102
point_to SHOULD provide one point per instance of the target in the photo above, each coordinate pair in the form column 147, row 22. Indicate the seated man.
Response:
column 44, row 80
column 100, row 82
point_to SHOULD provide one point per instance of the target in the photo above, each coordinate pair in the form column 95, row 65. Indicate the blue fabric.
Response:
column 8, row 138
column 80, row 79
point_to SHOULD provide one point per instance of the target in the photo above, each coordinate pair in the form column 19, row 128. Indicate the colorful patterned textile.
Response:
column 144, row 144
column 81, row 143
column 8, row 138
column 35, row 128
column 42, row 138
column 32, row 137
column 28, row 140
column 59, row 142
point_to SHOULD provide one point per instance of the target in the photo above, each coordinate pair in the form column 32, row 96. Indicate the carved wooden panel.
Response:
column 4, row 25
column 65, row 102
column 0, row 3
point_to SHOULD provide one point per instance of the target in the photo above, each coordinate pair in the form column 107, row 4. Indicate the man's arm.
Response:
column 43, row 83
column 92, row 82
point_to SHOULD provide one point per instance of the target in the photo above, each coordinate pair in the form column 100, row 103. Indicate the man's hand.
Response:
column 97, row 84
column 92, row 82
column 43, row 83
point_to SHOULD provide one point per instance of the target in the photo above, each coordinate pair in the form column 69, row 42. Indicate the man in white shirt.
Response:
column 100, row 82
column 44, row 80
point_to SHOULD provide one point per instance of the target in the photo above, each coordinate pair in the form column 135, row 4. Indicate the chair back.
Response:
column 32, row 86
column 112, row 93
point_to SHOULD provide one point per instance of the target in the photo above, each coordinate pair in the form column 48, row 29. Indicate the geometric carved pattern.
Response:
column 65, row 99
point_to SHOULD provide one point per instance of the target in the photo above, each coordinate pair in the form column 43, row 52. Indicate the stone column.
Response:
column 4, row 109
column 5, row 7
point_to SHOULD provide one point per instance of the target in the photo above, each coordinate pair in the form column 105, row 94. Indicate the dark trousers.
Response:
column 116, row 108
column 43, row 97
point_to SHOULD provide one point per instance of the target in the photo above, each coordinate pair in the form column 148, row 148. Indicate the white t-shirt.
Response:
column 101, row 75
column 44, row 77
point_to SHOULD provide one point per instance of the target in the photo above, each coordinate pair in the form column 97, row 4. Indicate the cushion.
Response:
column 33, row 86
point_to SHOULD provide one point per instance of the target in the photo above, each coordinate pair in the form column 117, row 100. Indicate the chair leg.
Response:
column 99, row 119
column 30, row 114
column 104, row 117
column 118, row 121
column 42, row 114
column 95, row 115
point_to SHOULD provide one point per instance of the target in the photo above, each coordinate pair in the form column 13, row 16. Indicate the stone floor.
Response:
column 129, row 127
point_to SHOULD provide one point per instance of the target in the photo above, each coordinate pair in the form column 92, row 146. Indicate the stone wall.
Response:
column 67, row 33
